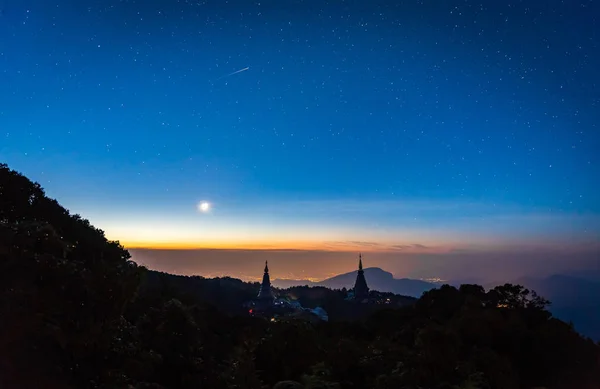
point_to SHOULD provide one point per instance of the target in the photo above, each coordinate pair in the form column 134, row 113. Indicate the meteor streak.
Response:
column 236, row 72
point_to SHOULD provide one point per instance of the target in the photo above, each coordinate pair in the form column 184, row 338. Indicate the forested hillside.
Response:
column 75, row 312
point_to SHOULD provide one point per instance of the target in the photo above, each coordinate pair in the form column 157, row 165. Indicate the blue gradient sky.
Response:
column 421, row 126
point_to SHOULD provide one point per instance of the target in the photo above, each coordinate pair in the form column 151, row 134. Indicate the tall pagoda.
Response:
column 265, row 293
column 361, row 290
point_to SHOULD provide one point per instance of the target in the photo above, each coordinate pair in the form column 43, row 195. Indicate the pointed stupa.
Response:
column 265, row 292
column 361, row 290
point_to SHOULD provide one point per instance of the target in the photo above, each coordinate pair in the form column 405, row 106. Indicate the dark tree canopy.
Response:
column 77, row 313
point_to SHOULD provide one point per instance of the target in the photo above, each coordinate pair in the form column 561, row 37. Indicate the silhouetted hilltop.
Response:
column 574, row 299
column 76, row 313
column 377, row 279
column 229, row 295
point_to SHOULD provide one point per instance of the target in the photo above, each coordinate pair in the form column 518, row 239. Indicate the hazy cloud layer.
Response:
column 304, row 264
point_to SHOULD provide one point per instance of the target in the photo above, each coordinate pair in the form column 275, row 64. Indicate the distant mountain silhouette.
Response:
column 573, row 299
column 377, row 279
column 587, row 274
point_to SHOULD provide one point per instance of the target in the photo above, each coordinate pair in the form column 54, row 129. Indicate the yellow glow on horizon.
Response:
column 207, row 233
column 154, row 235
column 278, row 245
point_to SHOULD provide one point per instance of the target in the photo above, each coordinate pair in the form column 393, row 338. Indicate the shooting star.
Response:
column 231, row 74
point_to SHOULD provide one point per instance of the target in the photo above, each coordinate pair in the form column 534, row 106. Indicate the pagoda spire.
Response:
column 265, row 292
column 361, row 290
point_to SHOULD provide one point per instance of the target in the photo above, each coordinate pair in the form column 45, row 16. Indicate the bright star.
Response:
column 204, row 206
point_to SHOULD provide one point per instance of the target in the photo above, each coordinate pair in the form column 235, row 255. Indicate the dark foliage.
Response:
column 75, row 312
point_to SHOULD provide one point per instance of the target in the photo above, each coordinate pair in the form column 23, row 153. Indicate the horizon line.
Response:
column 327, row 246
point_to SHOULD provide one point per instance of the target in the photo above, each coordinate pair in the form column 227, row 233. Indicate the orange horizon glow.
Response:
column 365, row 247
column 284, row 246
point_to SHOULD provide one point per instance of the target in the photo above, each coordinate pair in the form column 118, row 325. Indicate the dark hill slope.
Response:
column 64, row 288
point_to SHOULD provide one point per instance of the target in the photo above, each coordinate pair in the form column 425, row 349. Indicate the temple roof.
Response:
column 361, row 290
column 265, row 292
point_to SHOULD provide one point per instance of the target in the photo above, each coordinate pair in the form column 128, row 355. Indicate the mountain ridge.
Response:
column 377, row 279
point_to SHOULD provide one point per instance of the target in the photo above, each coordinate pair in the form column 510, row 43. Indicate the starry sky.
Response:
column 396, row 127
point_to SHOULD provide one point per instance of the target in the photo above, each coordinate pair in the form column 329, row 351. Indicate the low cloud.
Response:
column 411, row 246
column 381, row 247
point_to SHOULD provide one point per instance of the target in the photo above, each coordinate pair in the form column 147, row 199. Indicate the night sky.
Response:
column 424, row 127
